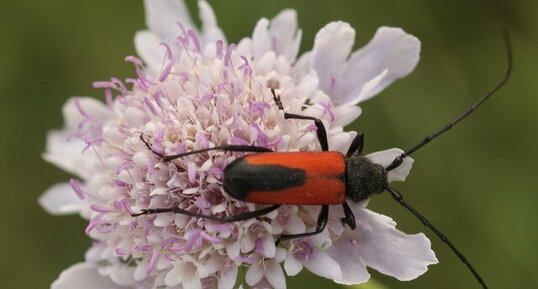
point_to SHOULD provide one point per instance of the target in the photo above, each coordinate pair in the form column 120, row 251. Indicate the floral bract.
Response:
column 193, row 90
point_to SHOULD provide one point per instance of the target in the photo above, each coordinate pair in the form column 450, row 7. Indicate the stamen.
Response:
column 228, row 56
column 75, row 185
column 247, row 70
column 152, row 261
column 168, row 68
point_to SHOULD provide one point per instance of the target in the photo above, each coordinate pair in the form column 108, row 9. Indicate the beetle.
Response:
column 317, row 178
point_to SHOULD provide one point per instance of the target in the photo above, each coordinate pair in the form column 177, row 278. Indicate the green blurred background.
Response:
column 477, row 183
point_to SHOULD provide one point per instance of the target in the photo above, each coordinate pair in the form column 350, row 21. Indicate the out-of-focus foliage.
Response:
column 476, row 183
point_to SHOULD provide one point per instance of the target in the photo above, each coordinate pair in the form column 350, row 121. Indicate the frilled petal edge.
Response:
column 147, row 45
column 61, row 200
column 386, row 157
column 78, row 110
column 332, row 47
column 388, row 250
column 163, row 16
column 211, row 32
column 66, row 153
column 83, row 276
column 286, row 35
column 391, row 49
column 348, row 257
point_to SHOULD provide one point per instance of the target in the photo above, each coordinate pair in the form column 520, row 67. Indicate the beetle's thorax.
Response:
column 364, row 178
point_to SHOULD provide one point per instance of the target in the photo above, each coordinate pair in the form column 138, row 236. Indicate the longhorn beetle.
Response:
column 317, row 178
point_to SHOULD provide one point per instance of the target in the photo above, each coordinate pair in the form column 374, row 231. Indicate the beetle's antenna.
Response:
column 398, row 160
column 399, row 198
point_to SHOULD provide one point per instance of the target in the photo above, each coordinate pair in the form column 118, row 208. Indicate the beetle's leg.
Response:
column 230, row 219
column 348, row 218
column 321, row 131
column 323, row 217
column 356, row 145
column 229, row 148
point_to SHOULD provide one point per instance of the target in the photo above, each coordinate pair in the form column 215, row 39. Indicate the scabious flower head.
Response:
column 193, row 90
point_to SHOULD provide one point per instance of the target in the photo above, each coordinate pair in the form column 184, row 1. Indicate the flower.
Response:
column 192, row 91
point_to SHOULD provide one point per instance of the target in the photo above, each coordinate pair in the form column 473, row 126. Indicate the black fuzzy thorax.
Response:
column 364, row 178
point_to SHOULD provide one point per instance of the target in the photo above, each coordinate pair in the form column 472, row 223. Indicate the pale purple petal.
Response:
column 391, row 49
column 61, row 200
column 254, row 274
column 341, row 141
column 78, row 109
column 227, row 277
column 286, row 39
column 179, row 274
column 147, row 45
column 83, row 276
column 346, row 114
column 269, row 248
column 292, row 266
column 344, row 252
column 386, row 157
column 302, row 65
column 162, row 17
column 321, row 264
column 331, row 49
column 388, row 250
column 210, row 30
column 123, row 274
column 66, row 152
column 194, row 283
column 369, row 88
column 275, row 275
column 261, row 38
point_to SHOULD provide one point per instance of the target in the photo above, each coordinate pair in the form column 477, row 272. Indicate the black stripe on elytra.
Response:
column 241, row 178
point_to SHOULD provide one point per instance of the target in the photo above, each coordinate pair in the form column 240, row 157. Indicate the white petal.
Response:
column 83, row 276
column 292, row 266
column 66, row 153
column 194, row 283
column 210, row 30
column 341, row 140
column 389, row 250
column 321, row 264
column 244, row 47
column 227, row 277
column 331, row 49
column 261, row 39
column 232, row 250
column 287, row 38
column 174, row 276
column 348, row 257
column 295, row 225
column 269, row 247
column 91, row 106
column 140, row 272
column 210, row 266
column 391, row 49
column 275, row 275
column 162, row 17
column 302, row 65
column 61, row 200
column 122, row 274
column 254, row 274
column 369, row 88
column 386, row 157
column 345, row 114
column 147, row 45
